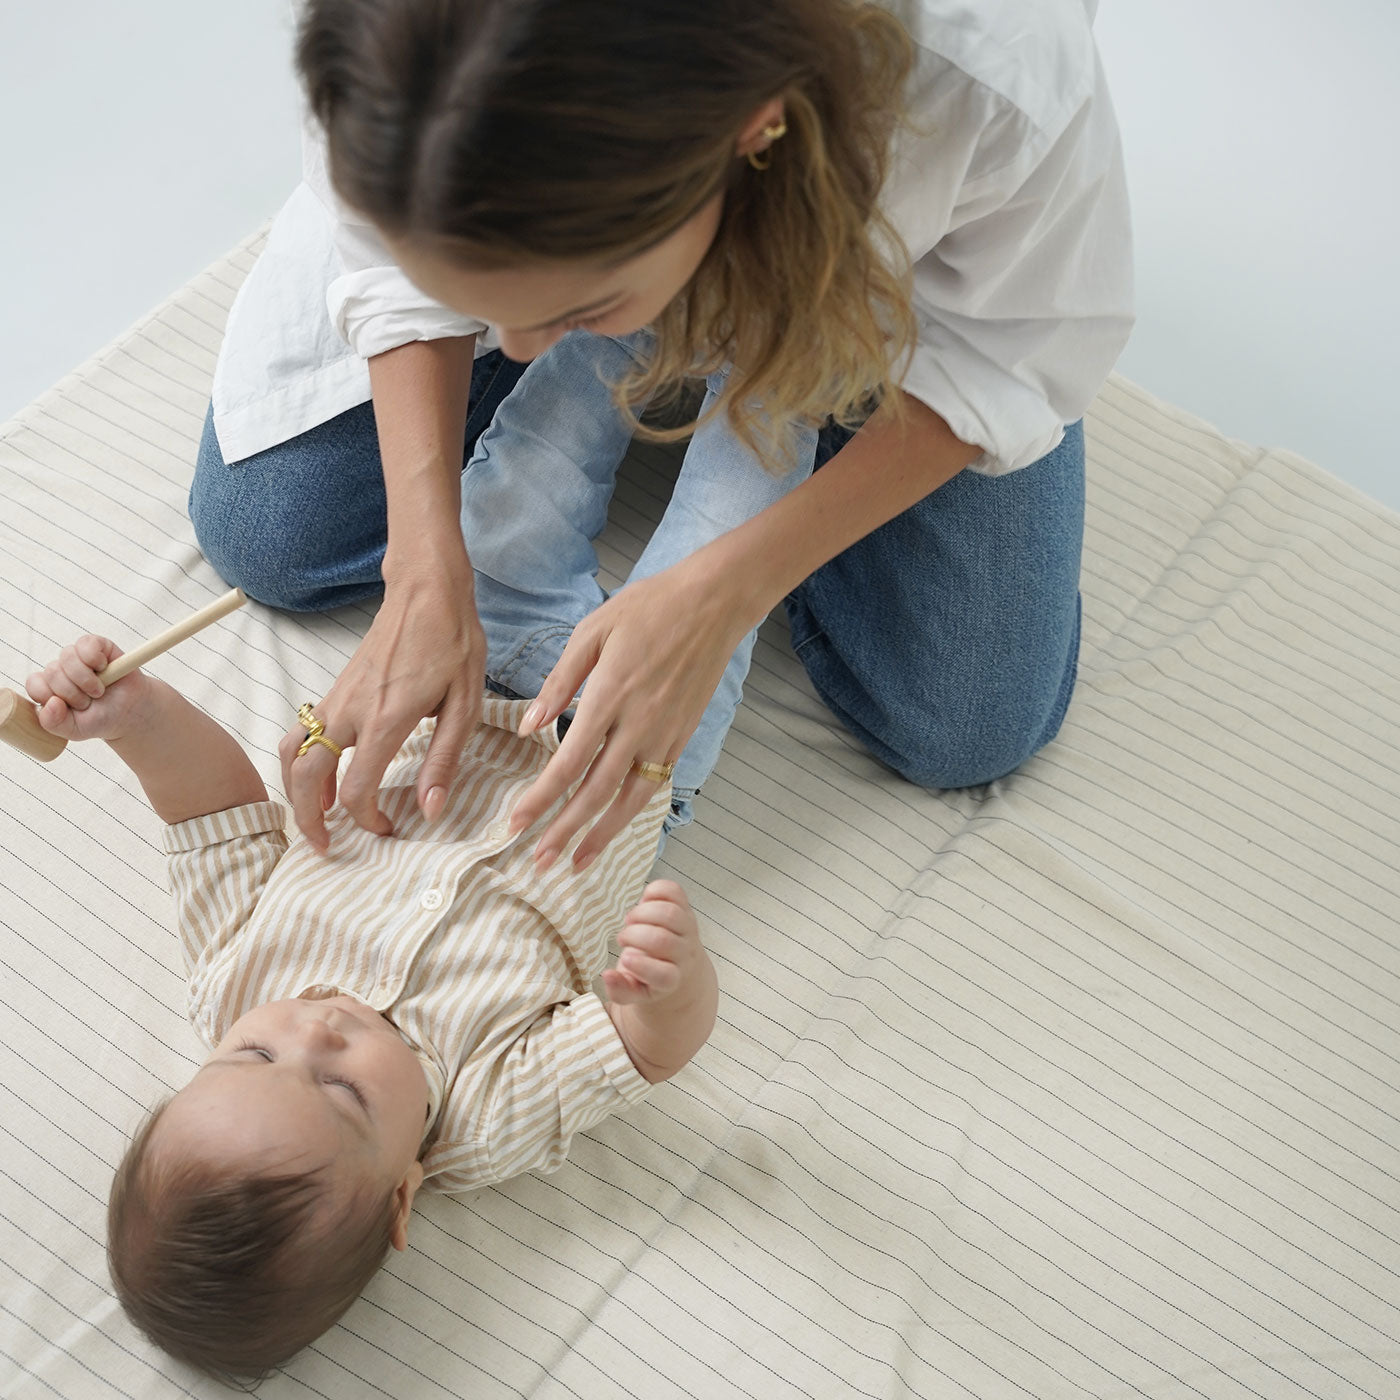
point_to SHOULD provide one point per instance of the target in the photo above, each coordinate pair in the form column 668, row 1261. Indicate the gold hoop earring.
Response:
column 773, row 133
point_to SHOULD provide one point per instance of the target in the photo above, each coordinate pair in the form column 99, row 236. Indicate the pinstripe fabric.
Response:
column 1080, row 1085
column 484, row 967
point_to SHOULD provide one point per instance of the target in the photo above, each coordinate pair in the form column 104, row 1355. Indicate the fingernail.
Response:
column 544, row 859
column 586, row 861
column 432, row 804
column 532, row 719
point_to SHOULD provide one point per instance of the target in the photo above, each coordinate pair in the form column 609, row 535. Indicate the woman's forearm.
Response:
column 425, row 651
column 420, row 393
column 884, row 469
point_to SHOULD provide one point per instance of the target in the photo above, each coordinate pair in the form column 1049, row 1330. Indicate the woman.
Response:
column 739, row 181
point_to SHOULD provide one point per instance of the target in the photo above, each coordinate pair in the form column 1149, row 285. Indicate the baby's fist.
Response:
column 75, row 704
column 660, row 946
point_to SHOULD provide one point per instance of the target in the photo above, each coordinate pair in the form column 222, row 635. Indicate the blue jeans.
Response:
column 946, row 640
column 544, row 445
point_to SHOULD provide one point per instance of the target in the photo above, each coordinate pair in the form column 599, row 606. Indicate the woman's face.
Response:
column 531, row 307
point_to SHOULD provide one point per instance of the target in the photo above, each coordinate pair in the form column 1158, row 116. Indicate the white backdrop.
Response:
column 1263, row 138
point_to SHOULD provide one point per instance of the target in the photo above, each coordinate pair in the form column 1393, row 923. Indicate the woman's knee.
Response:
column 269, row 526
column 975, row 729
column 945, row 718
column 970, row 755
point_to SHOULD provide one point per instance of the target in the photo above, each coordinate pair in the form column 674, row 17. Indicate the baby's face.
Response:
column 299, row 1084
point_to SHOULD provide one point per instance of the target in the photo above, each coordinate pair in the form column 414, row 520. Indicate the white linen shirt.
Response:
column 1006, row 185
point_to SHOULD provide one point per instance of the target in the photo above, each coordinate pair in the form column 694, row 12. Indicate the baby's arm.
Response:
column 188, row 763
column 663, row 993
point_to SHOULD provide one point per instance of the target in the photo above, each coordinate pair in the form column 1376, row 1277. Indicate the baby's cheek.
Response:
column 405, row 1082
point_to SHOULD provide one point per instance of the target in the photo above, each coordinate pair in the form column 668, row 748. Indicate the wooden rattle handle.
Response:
column 137, row 657
column 19, row 717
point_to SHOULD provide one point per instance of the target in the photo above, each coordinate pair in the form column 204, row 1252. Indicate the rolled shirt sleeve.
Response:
column 567, row 1072
column 1017, row 224
column 371, row 302
column 322, row 298
column 219, row 865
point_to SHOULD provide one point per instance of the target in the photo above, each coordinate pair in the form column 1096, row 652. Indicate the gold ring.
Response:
column 653, row 772
column 316, row 732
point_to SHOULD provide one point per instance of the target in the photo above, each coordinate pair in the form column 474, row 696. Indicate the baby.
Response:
column 403, row 1010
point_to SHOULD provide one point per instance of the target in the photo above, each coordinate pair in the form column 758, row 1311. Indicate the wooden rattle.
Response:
column 19, row 716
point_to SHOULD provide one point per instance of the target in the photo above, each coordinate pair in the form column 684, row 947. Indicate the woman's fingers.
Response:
column 579, row 745
column 608, row 779
column 359, row 788
column 634, row 794
column 458, row 716
column 306, row 790
column 590, row 797
column 565, row 680
column 424, row 654
column 652, row 656
column 310, row 781
column 601, row 765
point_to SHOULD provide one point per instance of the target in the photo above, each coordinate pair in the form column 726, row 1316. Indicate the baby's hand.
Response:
column 74, row 704
column 661, row 948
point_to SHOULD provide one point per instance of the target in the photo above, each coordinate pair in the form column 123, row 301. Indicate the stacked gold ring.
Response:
column 316, row 732
column 653, row 772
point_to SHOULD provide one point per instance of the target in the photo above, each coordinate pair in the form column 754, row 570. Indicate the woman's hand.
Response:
column 425, row 653
column 652, row 655
column 75, row 704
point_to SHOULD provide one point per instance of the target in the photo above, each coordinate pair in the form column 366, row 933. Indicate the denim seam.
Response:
column 806, row 643
column 510, row 669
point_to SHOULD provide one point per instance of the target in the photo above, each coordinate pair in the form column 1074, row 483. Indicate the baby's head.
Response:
column 253, row 1207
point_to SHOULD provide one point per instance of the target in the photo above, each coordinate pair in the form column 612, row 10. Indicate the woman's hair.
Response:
column 509, row 132
column 235, row 1273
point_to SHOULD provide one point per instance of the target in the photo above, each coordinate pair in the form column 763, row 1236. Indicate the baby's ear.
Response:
column 404, row 1193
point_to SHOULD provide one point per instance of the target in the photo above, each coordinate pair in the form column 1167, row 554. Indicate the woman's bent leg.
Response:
column 721, row 485
column 534, row 498
column 303, row 526
column 947, row 640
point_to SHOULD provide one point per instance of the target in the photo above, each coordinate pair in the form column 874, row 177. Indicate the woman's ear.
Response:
column 751, row 138
column 404, row 1193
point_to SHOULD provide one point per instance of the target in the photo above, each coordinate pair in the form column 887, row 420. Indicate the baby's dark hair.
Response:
column 235, row 1272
